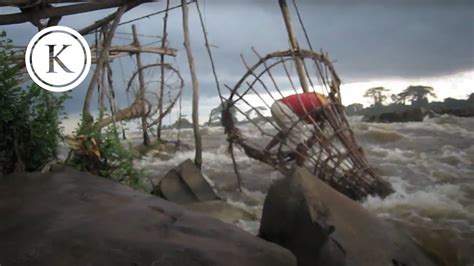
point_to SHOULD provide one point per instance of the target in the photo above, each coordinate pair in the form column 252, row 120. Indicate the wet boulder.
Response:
column 185, row 184
column 323, row 227
column 72, row 218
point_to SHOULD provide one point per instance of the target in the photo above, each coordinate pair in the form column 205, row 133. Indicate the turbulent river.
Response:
column 430, row 164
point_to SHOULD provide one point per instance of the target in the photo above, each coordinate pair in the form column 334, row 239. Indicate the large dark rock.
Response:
column 185, row 184
column 223, row 211
column 323, row 227
column 72, row 218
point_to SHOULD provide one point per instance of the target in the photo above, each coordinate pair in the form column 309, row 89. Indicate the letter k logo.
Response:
column 58, row 58
column 53, row 58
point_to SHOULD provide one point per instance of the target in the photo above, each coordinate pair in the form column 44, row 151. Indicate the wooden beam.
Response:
column 114, row 52
column 22, row 3
column 131, row 112
column 15, row 2
column 49, row 12
column 153, row 50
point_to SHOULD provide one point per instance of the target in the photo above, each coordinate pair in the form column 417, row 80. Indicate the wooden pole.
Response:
column 195, row 84
column 162, row 61
column 87, row 118
column 141, row 91
column 294, row 45
column 101, row 82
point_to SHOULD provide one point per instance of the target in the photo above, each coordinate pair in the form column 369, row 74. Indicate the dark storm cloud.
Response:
column 369, row 39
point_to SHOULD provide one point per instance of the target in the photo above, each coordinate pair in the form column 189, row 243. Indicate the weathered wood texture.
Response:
column 334, row 157
column 195, row 84
column 141, row 90
column 86, row 115
column 294, row 45
column 45, row 9
column 164, row 45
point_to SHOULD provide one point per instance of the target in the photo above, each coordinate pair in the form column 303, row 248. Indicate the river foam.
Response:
column 430, row 165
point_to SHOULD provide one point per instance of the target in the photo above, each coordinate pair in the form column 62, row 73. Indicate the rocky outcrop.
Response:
column 72, row 218
column 410, row 115
column 323, row 227
column 185, row 184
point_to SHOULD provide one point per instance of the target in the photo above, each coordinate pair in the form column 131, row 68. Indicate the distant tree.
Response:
column 377, row 94
column 354, row 109
column 395, row 99
column 216, row 114
column 182, row 123
column 418, row 94
column 470, row 98
column 402, row 97
column 452, row 104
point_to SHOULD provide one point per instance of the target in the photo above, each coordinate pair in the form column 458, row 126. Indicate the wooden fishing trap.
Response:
column 330, row 150
column 333, row 153
column 162, row 92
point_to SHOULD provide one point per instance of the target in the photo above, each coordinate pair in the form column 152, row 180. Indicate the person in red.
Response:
column 293, row 114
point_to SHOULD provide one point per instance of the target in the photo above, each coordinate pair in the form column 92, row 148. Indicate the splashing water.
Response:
column 430, row 164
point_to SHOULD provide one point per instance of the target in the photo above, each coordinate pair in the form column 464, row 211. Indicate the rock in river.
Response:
column 72, row 218
column 322, row 227
column 185, row 184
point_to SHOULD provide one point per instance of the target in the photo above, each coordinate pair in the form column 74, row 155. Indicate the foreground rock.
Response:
column 72, row 218
column 223, row 211
column 323, row 227
column 185, row 184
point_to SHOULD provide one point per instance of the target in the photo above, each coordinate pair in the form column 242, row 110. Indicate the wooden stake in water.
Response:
column 141, row 92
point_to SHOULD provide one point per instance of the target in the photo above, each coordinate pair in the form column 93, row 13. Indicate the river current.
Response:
column 430, row 164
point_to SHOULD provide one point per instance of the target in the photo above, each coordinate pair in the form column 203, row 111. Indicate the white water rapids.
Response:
column 430, row 165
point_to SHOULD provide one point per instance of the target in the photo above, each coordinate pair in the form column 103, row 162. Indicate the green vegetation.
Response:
column 104, row 155
column 29, row 119
column 417, row 95
column 180, row 123
column 413, row 101
column 30, row 130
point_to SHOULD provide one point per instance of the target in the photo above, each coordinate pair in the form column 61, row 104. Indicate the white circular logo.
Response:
column 58, row 58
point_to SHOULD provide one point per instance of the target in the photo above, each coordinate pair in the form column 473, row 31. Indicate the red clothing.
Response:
column 304, row 103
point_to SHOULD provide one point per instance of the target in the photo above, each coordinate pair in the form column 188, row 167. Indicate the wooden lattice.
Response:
column 333, row 153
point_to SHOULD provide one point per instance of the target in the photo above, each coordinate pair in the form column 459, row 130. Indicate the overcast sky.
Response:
column 380, row 43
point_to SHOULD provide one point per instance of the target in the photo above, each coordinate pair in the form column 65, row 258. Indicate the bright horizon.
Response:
column 457, row 86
